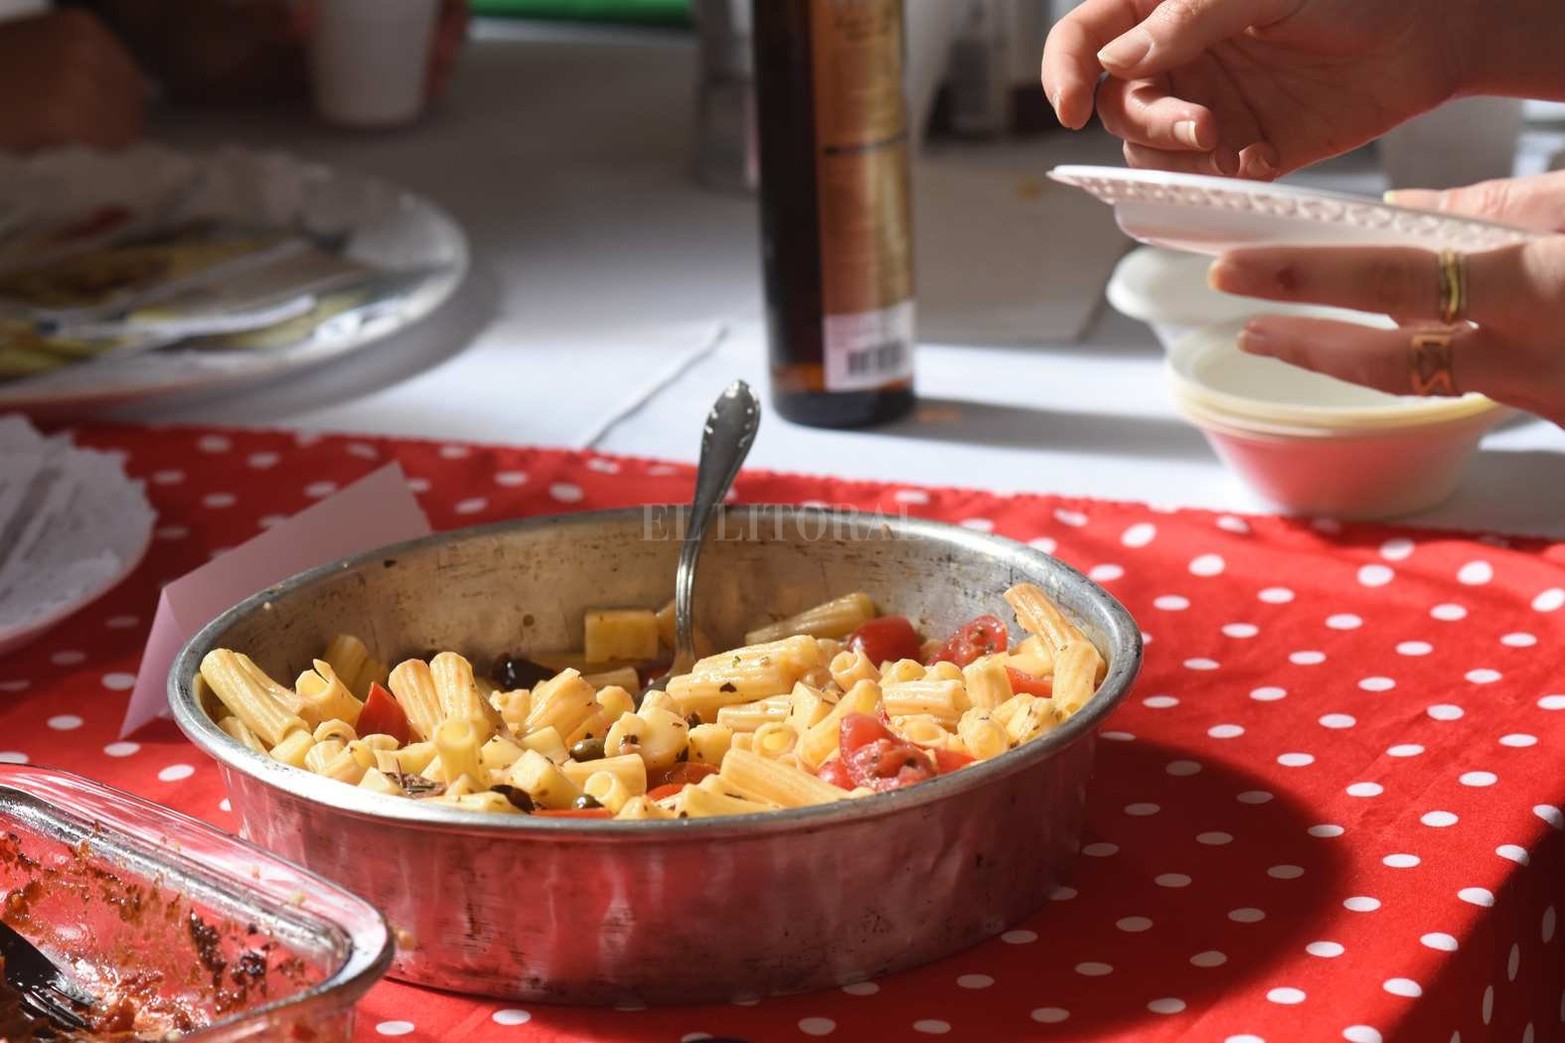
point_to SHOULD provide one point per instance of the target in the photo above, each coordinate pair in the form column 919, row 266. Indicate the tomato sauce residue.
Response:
column 207, row 967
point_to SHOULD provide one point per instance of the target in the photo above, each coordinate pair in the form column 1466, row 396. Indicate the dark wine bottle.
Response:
column 835, row 210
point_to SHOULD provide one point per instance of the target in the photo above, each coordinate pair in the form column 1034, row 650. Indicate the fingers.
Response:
column 1376, row 358
column 1536, row 202
column 1142, row 112
column 1070, row 68
column 1178, row 31
column 1221, row 162
column 1396, row 281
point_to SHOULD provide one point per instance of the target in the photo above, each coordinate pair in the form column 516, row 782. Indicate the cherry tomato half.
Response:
column 885, row 640
column 947, row 761
column 1027, row 684
column 835, row 772
column 877, row 759
column 982, row 636
column 383, row 715
column 682, row 774
column 670, row 790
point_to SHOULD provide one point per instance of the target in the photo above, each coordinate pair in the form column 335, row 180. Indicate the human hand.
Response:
column 1509, row 347
column 67, row 81
column 1251, row 87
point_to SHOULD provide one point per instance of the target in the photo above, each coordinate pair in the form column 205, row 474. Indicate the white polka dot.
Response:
column 1483, row 676
column 1475, row 573
column 817, row 1026
column 1520, row 639
column 1546, row 929
column 1286, row 996
column 1478, row 778
column 1476, row 896
column 1326, row 831
column 1440, row 941
column 471, row 506
column 69, row 657
column 1229, row 523
column 511, row 1016
column 917, row 496
column 1268, row 694
column 1142, row 810
column 1513, row 962
column 1094, row 970
column 1159, row 702
column 318, row 490
column 1399, row 548
column 1361, row 904
column 1133, row 924
column 931, row 1027
column 1325, row 950
column 395, row 1028
column 218, row 501
column 1139, row 535
column 977, row 524
column 1307, row 658
column 1062, row 894
column 1337, row 720
column 1020, row 936
column 1488, row 1004
column 1201, row 664
column 1344, row 621
column 565, row 492
column 694, row 1037
column 1285, row 872
column 1171, row 603
column 119, row 682
column 1167, row 1005
column 510, row 479
column 1210, row 958
column 262, row 461
column 1276, row 595
column 1365, row 789
column 1246, row 915
column 1438, row 819
column 14, row 686
column 861, row 988
column 1401, row 861
column 1552, row 702
column 1244, row 1038
column 1361, row 1034
column 1208, row 565
column 1117, row 736
column 1240, row 631
column 1171, row 880
column 1550, row 600
column 1448, row 613
column 1043, row 543
column 1376, row 575
column 1105, row 573
column 1101, row 849
column 1406, row 987
column 1405, row 749
column 1445, row 712
column 1050, row 1015
column 1255, row 796
column 454, row 452
column 12, row 757
column 1183, row 769
column 419, row 485
column 123, row 622
column 603, row 466
column 363, row 451
column 1519, row 740
column 1414, row 648
column 1075, row 519
column 1514, row 853
column 1225, row 731
column 176, row 772
column 1527, row 1033
column 226, row 806
column 1377, row 684
column 1214, row 839
column 65, row 722
column 974, row 981
column 122, row 749
column 167, row 477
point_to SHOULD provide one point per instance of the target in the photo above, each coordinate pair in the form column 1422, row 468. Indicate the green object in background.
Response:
column 642, row 12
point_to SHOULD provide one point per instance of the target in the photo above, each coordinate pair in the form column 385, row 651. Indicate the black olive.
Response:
column 586, row 802
column 513, row 672
column 692, row 720
column 518, row 798
column 588, row 749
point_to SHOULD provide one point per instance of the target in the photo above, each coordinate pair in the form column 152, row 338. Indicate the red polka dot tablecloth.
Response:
column 1331, row 810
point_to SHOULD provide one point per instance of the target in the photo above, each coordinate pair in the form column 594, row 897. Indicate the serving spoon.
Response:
column 47, row 992
column 725, row 442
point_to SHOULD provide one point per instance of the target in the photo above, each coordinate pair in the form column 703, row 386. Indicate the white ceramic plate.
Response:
column 1211, row 215
column 383, row 225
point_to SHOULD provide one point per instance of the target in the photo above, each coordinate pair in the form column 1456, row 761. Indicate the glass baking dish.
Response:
column 211, row 938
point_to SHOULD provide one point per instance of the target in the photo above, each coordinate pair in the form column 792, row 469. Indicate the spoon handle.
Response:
column 725, row 442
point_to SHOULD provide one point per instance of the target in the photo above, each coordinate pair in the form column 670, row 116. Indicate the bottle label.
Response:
column 870, row 349
column 862, row 188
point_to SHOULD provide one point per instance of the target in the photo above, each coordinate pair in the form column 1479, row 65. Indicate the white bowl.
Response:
column 1316, row 445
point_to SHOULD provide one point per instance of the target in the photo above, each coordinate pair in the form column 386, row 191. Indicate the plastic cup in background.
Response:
column 369, row 61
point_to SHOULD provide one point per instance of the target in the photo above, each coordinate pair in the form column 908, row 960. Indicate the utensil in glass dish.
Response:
column 786, row 901
column 46, row 992
column 725, row 442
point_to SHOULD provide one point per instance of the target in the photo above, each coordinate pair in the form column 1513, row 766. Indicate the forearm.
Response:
column 1512, row 48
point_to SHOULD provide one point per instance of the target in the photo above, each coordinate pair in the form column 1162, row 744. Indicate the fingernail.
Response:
column 1261, row 167
column 1220, row 274
column 1390, row 197
column 1227, row 161
column 1185, row 131
column 1255, row 340
column 1128, row 51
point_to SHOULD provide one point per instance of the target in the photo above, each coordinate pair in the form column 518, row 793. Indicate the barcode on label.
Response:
column 868, row 350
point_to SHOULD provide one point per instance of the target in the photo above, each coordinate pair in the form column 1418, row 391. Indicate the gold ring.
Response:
column 1429, row 363
column 1453, row 286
